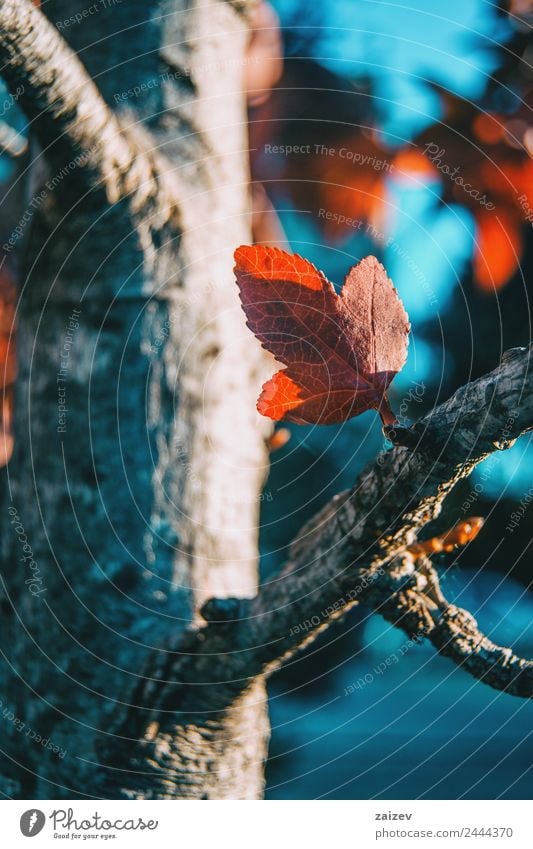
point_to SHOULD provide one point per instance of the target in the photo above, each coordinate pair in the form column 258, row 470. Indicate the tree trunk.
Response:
column 139, row 456
column 132, row 497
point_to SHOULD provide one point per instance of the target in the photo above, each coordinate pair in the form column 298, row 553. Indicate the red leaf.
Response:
column 341, row 351
column 498, row 247
column 8, row 362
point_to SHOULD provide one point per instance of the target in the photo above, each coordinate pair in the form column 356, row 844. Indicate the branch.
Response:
column 355, row 549
column 78, row 132
column 352, row 551
column 457, row 636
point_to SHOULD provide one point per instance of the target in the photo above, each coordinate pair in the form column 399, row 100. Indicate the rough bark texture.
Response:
column 133, row 635
column 146, row 501
column 355, row 549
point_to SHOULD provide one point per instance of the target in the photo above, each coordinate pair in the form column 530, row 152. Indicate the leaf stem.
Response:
column 387, row 416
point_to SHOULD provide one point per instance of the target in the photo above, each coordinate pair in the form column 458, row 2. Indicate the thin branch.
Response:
column 457, row 636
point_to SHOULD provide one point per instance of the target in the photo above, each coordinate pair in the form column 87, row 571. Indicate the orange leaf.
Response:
column 498, row 247
column 341, row 351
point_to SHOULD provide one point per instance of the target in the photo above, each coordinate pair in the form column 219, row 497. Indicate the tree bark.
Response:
column 134, row 639
column 140, row 500
column 359, row 548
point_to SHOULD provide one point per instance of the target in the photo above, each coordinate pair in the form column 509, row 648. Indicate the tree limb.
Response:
column 355, row 550
column 78, row 132
column 457, row 636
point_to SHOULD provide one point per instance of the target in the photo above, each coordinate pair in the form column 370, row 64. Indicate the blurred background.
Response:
column 404, row 130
